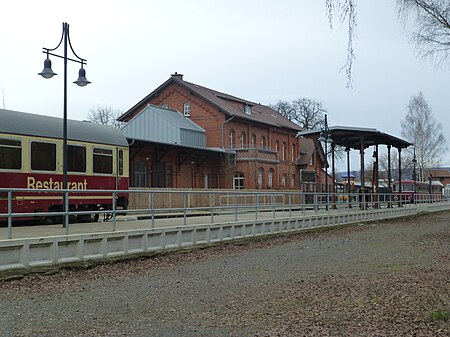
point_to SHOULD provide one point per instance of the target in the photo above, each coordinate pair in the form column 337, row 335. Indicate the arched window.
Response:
column 263, row 141
column 253, row 141
column 260, row 182
column 277, row 146
column 238, row 181
column 293, row 155
column 283, row 151
column 242, row 140
column 270, row 178
column 283, row 180
column 140, row 174
column 231, row 138
column 293, row 181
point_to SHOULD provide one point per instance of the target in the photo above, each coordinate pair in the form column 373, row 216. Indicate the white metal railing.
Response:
column 212, row 205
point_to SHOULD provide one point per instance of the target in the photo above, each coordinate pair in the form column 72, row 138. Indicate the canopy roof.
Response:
column 353, row 138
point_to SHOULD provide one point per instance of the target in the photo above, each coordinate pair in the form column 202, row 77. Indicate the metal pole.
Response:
column 65, row 202
column 9, row 215
column 114, row 210
column 153, row 209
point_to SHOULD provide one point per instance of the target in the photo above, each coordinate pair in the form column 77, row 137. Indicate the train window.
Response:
column 43, row 156
column 10, row 154
column 120, row 162
column 76, row 158
column 103, row 161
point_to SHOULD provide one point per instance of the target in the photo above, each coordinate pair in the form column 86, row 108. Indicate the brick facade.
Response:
column 266, row 152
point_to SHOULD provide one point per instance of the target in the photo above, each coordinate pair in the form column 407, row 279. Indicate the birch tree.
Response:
column 425, row 132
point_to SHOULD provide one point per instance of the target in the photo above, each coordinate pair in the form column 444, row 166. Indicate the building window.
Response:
column 242, row 140
column 187, row 109
column 293, row 152
column 238, row 181
column 248, row 110
column 293, row 181
column 270, row 179
column 253, row 141
column 260, row 178
column 283, row 180
column 277, row 146
column 231, row 138
column 10, row 154
column 140, row 174
column 283, row 151
column 263, row 142
column 43, row 156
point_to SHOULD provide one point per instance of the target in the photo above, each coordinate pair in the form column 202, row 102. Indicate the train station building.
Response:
column 183, row 135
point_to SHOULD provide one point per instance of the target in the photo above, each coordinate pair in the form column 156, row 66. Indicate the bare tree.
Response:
column 432, row 21
column 421, row 128
column 306, row 112
column 345, row 11
column 105, row 115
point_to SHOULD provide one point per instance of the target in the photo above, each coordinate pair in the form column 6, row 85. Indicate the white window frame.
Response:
column 187, row 109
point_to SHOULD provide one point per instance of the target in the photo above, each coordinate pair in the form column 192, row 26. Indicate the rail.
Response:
column 216, row 205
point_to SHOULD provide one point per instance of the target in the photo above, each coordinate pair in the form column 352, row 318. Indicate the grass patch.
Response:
column 439, row 315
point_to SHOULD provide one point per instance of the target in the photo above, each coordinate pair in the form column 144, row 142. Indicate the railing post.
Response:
column 152, row 195
column 256, row 205
column 114, row 194
column 273, row 206
column 316, row 206
column 212, row 206
column 9, row 214
column 184, row 207
column 235, row 207
column 290, row 206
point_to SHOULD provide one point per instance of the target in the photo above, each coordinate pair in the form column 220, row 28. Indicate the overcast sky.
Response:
column 259, row 50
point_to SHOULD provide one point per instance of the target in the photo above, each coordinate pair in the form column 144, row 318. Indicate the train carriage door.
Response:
column 158, row 174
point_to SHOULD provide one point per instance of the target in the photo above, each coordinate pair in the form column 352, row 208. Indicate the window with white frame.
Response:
column 260, row 177
column 231, row 138
column 263, row 141
column 187, row 109
column 248, row 110
column 270, row 179
column 242, row 140
column 283, row 151
column 293, row 152
column 238, row 181
column 253, row 140
column 283, row 180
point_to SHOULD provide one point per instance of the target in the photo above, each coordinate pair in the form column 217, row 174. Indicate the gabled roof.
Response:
column 27, row 124
column 260, row 113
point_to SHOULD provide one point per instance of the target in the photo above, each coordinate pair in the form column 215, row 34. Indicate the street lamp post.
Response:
column 81, row 81
column 325, row 137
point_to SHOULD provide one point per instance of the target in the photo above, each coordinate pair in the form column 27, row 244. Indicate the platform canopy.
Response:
column 354, row 138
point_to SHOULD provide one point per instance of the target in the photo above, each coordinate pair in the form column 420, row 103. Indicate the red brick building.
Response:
column 247, row 145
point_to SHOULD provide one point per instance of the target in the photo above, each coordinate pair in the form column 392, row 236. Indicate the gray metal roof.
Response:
column 22, row 123
column 353, row 137
column 162, row 125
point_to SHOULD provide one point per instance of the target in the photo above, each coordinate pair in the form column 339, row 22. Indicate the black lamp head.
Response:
column 47, row 72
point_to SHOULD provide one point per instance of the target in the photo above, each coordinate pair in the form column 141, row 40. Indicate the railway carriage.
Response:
column 31, row 158
column 421, row 190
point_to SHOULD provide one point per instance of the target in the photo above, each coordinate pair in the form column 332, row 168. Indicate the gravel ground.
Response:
column 374, row 279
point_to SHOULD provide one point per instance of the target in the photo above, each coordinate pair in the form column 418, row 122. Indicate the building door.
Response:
column 158, row 174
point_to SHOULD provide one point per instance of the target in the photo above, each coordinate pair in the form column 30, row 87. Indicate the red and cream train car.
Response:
column 31, row 157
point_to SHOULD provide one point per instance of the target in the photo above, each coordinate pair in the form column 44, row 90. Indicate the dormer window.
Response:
column 248, row 109
column 187, row 109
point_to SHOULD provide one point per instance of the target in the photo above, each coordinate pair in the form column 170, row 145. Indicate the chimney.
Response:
column 179, row 76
